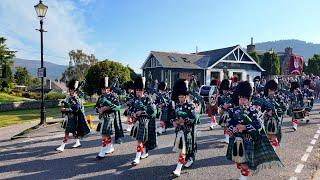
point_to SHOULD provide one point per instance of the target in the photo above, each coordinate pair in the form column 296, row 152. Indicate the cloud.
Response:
column 86, row 2
column 65, row 23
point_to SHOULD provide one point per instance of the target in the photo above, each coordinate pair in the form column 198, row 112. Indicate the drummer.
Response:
column 296, row 104
column 213, row 106
column 307, row 98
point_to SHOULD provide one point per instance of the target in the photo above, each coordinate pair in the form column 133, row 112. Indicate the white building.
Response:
column 206, row 65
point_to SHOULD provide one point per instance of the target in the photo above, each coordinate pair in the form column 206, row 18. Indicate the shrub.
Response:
column 54, row 96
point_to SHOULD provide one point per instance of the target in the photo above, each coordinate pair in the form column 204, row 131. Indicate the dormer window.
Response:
column 173, row 59
column 185, row 60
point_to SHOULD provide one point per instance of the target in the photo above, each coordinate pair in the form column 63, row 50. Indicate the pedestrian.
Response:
column 213, row 105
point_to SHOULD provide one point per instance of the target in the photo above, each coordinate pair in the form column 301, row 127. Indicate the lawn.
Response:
column 21, row 116
column 4, row 98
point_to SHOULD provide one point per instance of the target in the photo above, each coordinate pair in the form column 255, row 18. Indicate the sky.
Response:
column 127, row 30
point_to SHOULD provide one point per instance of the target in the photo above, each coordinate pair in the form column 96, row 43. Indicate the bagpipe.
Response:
column 139, row 106
column 67, row 105
column 103, row 101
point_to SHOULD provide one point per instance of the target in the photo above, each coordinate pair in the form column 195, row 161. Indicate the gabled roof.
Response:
column 217, row 54
column 201, row 60
column 181, row 60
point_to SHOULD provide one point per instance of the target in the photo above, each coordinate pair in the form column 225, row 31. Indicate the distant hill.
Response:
column 307, row 50
column 54, row 71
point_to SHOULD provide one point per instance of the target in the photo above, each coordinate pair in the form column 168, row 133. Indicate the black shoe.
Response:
column 99, row 157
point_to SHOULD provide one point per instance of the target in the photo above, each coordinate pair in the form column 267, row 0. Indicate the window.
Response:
column 185, row 60
column 173, row 59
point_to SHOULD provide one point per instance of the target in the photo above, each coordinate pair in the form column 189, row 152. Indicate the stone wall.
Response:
column 28, row 105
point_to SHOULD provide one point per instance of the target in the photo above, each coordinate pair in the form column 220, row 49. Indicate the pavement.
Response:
column 34, row 157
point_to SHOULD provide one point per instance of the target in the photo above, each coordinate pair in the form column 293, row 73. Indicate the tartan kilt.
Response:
column 77, row 124
column 105, row 126
column 258, row 152
column 151, row 142
column 164, row 115
column 140, row 129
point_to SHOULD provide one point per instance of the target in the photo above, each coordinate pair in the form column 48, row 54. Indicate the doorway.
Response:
column 238, row 75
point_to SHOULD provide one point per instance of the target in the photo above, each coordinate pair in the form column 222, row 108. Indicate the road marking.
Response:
column 305, row 157
column 299, row 168
column 293, row 178
column 316, row 136
column 309, row 149
column 313, row 141
column 318, row 132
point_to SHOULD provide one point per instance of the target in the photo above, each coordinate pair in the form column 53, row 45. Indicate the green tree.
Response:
column 271, row 63
column 78, row 66
column 255, row 56
column 34, row 83
column 314, row 65
column 105, row 68
column 6, row 63
column 22, row 76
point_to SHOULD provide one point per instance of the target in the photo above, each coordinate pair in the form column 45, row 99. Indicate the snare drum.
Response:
column 298, row 113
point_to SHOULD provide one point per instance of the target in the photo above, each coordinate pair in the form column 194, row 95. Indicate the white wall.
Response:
column 251, row 74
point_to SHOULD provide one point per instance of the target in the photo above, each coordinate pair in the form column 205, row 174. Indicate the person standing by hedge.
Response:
column 76, row 122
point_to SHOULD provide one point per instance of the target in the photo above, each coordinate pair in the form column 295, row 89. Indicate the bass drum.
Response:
column 298, row 113
column 207, row 91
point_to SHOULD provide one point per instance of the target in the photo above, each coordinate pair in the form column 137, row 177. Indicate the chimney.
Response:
column 251, row 47
column 196, row 49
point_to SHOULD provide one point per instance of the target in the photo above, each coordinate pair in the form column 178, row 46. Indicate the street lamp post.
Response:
column 41, row 10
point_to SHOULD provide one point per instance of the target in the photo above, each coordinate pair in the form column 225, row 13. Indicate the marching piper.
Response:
column 296, row 107
column 308, row 98
column 272, row 109
column 144, row 128
column 184, row 123
column 75, row 122
column 248, row 145
column 163, row 102
column 224, row 104
column 129, row 102
column 108, row 106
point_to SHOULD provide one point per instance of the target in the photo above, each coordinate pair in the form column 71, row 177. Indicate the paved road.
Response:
column 36, row 158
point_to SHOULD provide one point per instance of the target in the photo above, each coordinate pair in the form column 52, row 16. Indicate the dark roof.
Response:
column 217, row 54
column 181, row 60
column 193, row 61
